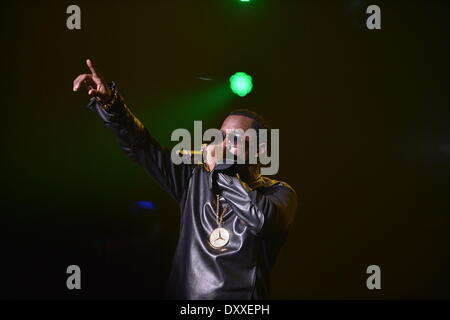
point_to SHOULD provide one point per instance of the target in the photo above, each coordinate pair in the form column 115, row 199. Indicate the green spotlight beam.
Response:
column 181, row 110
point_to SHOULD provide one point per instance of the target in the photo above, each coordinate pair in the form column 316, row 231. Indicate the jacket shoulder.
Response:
column 272, row 183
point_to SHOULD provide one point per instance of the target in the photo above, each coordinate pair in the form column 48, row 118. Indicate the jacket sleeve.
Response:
column 273, row 211
column 135, row 140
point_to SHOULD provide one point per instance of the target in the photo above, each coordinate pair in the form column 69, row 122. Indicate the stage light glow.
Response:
column 145, row 205
column 241, row 84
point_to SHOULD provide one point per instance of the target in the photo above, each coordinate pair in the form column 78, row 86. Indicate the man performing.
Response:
column 233, row 220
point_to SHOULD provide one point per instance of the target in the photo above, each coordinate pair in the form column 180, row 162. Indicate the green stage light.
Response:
column 241, row 83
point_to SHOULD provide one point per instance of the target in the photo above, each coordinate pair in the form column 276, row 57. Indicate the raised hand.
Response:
column 94, row 84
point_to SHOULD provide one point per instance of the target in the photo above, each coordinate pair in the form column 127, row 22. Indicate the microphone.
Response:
column 183, row 152
column 202, row 152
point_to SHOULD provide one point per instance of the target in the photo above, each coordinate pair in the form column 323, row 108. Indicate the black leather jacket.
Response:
column 256, row 216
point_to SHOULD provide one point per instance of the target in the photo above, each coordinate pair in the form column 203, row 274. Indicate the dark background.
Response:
column 363, row 115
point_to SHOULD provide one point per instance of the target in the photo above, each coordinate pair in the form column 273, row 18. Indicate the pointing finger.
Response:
column 91, row 67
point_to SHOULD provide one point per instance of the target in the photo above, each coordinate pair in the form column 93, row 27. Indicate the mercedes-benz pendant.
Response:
column 219, row 238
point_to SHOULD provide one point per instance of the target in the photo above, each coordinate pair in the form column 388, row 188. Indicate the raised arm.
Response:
column 132, row 136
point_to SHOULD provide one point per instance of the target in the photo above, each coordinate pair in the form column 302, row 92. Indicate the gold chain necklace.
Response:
column 219, row 237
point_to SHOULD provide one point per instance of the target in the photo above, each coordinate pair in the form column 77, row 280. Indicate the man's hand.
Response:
column 94, row 84
column 214, row 153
